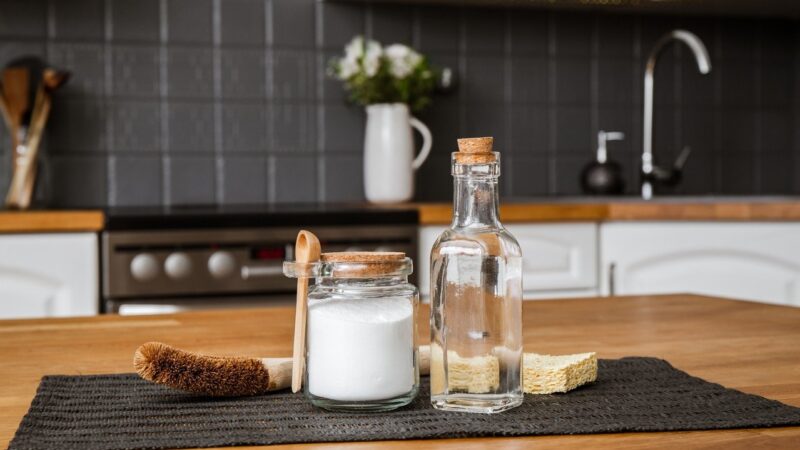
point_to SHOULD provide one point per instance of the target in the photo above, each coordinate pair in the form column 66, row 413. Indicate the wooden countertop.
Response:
column 676, row 210
column 748, row 346
column 781, row 209
column 50, row 221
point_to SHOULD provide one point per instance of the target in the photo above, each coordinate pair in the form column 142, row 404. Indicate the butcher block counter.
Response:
column 747, row 346
column 538, row 209
column 555, row 209
column 50, row 221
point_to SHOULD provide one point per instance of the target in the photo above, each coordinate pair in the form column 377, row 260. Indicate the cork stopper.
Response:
column 366, row 264
column 475, row 151
column 362, row 257
column 476, row 145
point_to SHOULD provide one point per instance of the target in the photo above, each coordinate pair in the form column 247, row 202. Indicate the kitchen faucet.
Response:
column 651, row 173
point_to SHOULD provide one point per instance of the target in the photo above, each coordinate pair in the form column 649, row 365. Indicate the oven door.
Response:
column 147, row 306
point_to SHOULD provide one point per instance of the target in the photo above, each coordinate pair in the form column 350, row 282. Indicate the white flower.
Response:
column 402, row 60
column 349, row 65
column 372, row 58
column 354, row 49
column 347, row 68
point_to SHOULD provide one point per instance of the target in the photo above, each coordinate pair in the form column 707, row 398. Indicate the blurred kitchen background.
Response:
column 194, row 102
column 196, row 137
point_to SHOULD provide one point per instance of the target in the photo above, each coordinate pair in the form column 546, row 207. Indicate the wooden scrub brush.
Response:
column 236, row 376
column 211, row 375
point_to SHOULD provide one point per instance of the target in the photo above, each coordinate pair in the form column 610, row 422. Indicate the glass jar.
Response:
column 476, row 294
column 361, row 334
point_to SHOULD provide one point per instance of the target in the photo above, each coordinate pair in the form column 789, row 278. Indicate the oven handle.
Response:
column 261, row 271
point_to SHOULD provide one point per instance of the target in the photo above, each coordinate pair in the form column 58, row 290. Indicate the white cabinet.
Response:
column 752, row 261
column 48, row 275
column 559, row 259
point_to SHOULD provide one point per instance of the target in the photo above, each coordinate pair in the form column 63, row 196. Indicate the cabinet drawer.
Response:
column 555, row 256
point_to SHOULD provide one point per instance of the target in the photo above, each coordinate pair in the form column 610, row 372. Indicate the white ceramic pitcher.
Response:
column 389, row 162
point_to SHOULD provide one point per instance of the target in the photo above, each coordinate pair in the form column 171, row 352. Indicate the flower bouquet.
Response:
column 390, row 82
column 392, row 74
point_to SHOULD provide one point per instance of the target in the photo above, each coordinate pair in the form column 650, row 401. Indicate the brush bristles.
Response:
column 214, row 376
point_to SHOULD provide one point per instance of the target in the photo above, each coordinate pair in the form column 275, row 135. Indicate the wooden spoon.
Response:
column 15, row 95
column 306, row 250
column 4, row 111
column 21, row 189
column 52, row 79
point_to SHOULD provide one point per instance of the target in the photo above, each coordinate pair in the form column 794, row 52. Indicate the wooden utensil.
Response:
column 218, row 376
column 35, row 67
column 21, row 189
column 16, row 83
column 51, row 80
column 306, row 250
column 23, row 180
column 4, row 110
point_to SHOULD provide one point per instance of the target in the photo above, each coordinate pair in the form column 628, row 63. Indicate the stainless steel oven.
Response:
column 228, row 259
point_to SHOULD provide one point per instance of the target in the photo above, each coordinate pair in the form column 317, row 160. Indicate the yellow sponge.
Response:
column 541, row 374
column 546, row 374
column 475, row 375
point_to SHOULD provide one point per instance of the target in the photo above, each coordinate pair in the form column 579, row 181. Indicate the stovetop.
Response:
column 240, row 216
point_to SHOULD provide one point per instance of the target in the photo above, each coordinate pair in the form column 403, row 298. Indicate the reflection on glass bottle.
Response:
column 476, row 294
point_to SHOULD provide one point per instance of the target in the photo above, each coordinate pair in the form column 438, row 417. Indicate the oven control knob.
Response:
column 178, row 266
column 221, row 264
column 144, row 267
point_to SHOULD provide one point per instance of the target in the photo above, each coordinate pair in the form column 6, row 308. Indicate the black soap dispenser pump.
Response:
column 603, row 177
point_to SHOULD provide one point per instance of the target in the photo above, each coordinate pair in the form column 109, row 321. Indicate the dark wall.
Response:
column 227, row 101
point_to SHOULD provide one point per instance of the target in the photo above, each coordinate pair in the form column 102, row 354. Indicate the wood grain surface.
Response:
column 442, row 213
column 50, row 221
column 748, row 346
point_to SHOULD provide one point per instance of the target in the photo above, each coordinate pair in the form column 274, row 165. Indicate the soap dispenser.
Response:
column 602, row 176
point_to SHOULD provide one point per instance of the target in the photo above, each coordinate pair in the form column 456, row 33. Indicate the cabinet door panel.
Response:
column 29, row 294
column 48, row 275
column 753, row 261
column 555, row 256
column 427, row 237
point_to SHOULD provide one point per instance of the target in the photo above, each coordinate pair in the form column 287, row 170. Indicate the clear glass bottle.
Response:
column 361, row 333
column 476, row 294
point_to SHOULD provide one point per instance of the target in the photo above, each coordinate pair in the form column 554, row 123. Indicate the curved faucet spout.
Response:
column 703, row 65
column 691, row 40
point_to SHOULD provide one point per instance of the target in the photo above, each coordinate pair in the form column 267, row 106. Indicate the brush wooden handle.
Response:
column 307, row 249
column 221, row 376
column 280, row 373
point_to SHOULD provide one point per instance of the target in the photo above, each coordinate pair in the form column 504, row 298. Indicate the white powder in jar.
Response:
column 360, row 349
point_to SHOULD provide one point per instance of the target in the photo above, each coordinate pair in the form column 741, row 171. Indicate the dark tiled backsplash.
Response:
column 227, row 101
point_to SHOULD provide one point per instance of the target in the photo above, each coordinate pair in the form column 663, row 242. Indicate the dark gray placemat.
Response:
column 124, row 412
